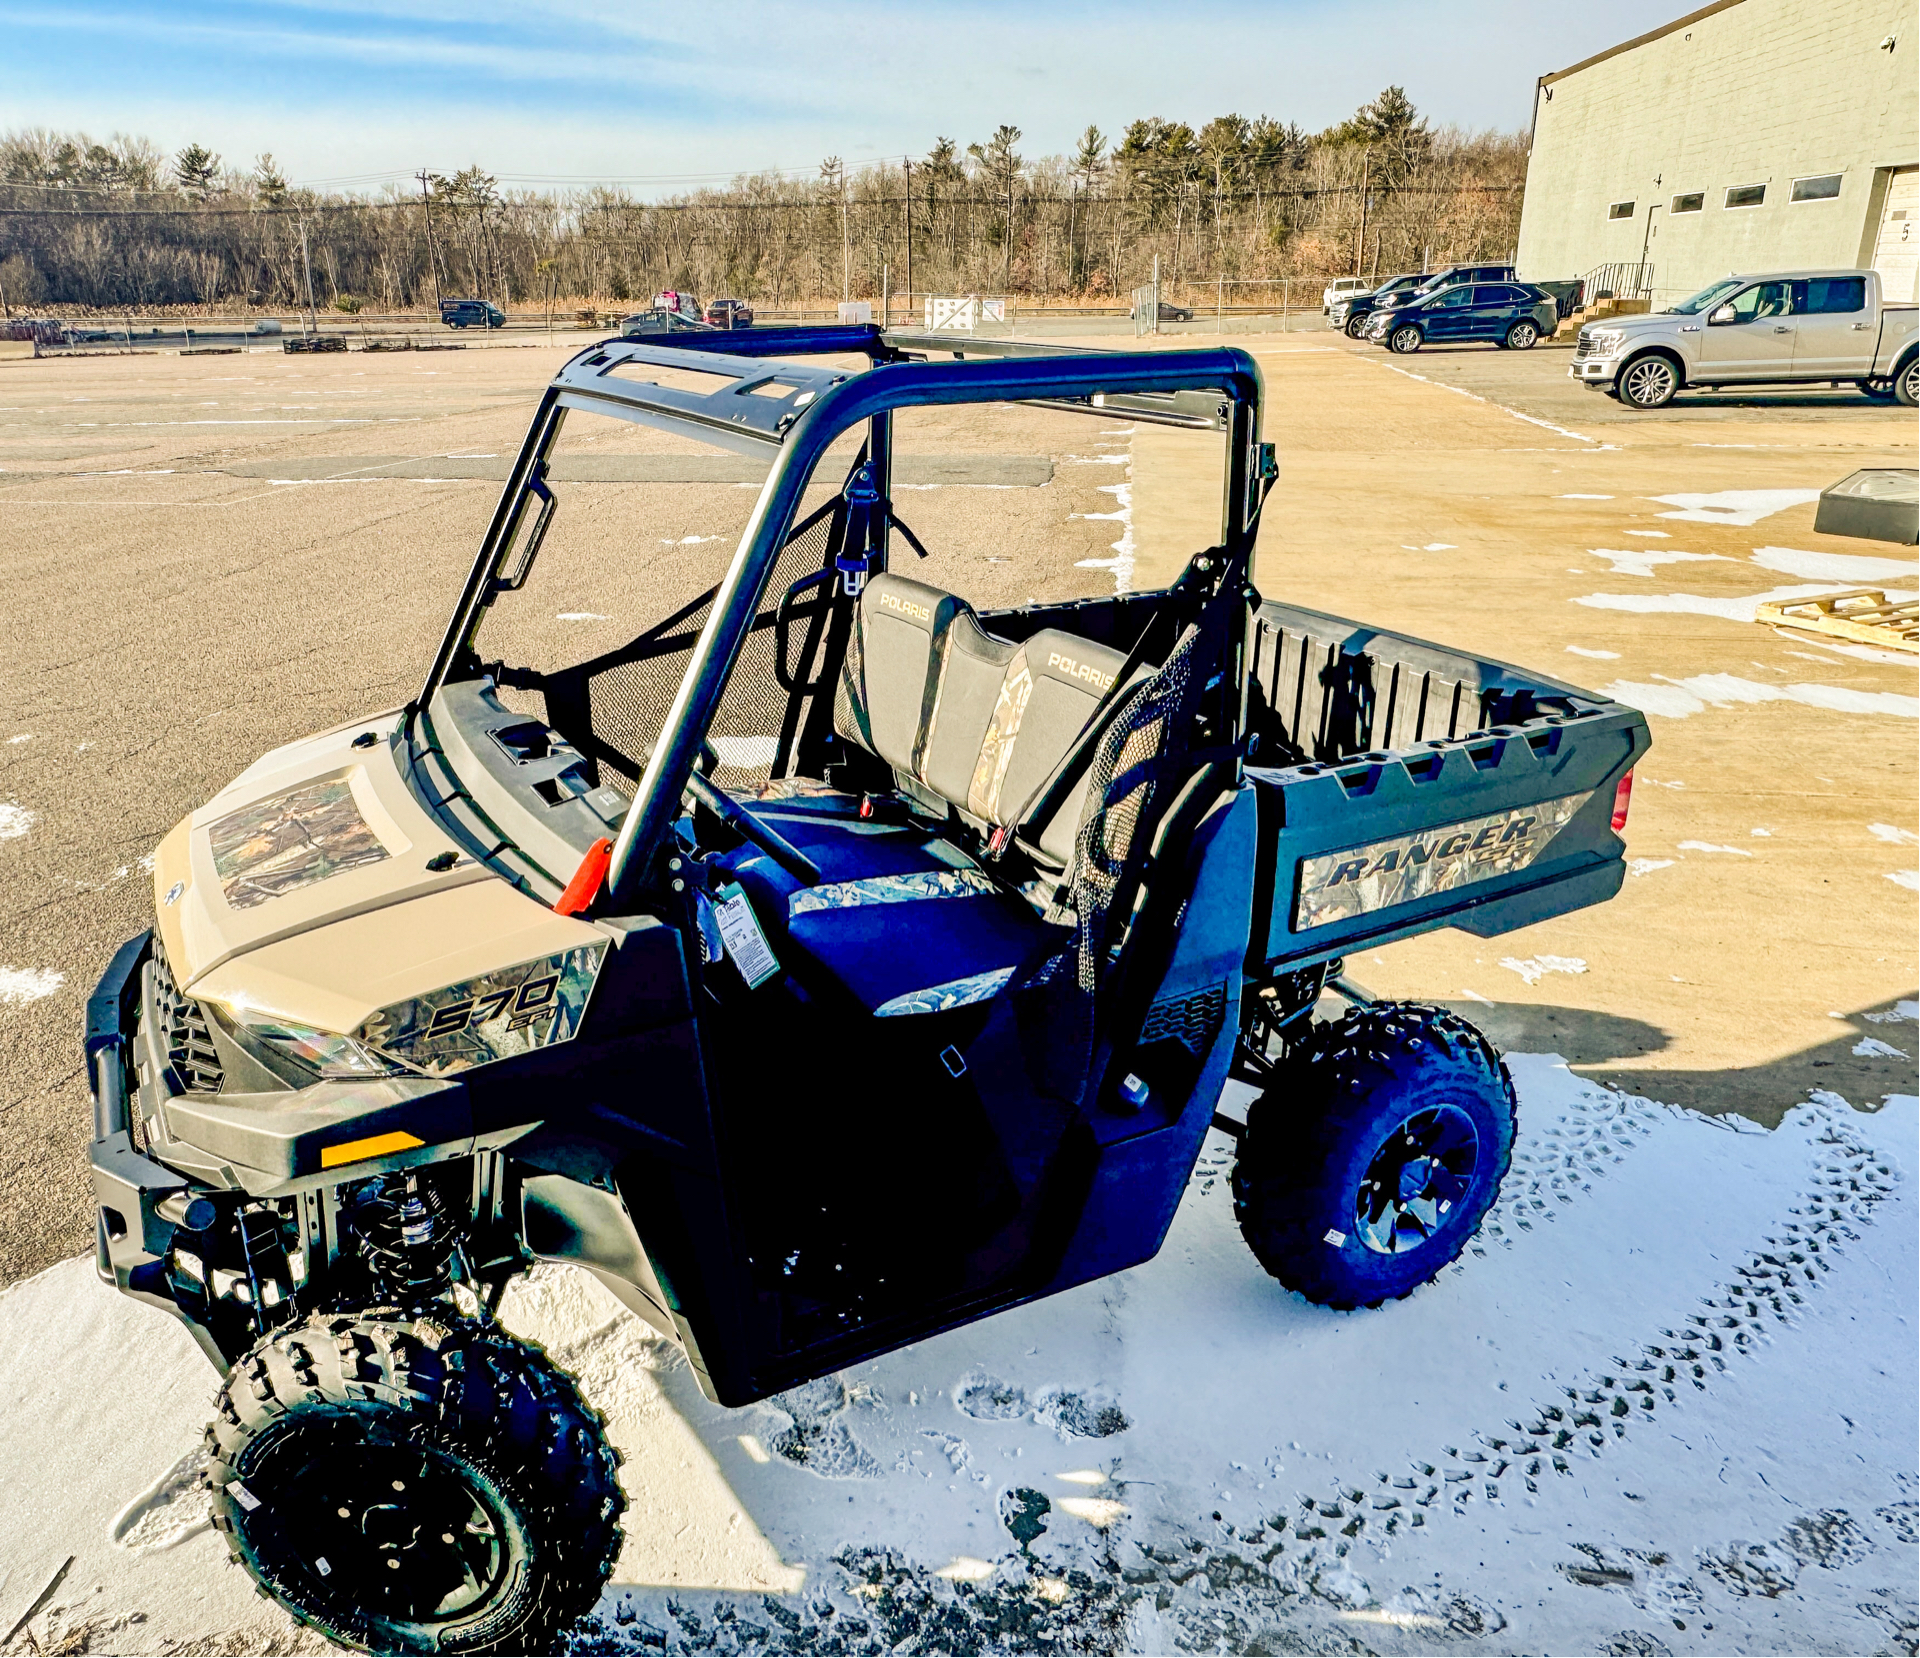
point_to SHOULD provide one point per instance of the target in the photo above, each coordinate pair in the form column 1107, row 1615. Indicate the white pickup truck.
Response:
column 1796, row 328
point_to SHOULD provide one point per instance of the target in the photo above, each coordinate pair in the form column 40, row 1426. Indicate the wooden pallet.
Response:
column 1862, row 614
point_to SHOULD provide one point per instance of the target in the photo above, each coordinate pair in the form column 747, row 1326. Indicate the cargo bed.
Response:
column 1404, row 786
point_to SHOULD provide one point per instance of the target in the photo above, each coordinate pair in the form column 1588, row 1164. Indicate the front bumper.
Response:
column 1593, row 368
column 131, row 1237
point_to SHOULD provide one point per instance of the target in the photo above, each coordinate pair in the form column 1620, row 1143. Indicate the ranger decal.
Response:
column 1339, row 885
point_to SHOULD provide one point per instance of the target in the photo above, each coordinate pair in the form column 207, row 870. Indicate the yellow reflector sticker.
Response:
column 356, row 1151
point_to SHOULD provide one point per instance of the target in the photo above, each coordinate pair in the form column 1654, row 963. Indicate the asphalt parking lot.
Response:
column 211, row 556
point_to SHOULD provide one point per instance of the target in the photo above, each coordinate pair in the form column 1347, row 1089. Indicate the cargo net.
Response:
column 613, row 707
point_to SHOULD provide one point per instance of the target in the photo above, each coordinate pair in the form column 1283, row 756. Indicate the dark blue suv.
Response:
column 1512, row 315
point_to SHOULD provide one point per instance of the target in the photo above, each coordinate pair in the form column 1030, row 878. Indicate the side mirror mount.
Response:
column 1722, row 315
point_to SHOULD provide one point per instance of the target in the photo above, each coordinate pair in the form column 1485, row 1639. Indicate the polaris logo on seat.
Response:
column 906, row 607
column 1339, row 885
column 1079, row 670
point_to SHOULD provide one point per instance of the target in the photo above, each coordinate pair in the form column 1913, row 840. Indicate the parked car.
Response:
column 1350, row 313
column 660, row 320
column 1512, row 315
column 471, row 313
column 729, row 313
column 687, row 305
column 1342, row 287
column 1568, row 296
column 1796, row 328
column 1168, row 313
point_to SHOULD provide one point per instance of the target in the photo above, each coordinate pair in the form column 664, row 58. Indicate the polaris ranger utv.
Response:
column 830, row 964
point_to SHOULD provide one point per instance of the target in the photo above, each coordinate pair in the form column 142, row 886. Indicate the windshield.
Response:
column 1706, row 299
column 1013, row 504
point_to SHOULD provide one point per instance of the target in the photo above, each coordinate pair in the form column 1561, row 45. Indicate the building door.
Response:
column 1896, row 251
column 1757, row 342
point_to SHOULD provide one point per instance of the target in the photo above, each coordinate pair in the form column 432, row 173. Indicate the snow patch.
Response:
column 1735, row 506
column 1893, row 833
column 1847, row 567
column 1598, row 656
column 1899, row 1012
column 1646, row 866
column 1679, row 698
column 1696, row 604
column 1658, row 535
column 746, row 753
column 20, row 985
column 15, row 821
column 1640, row 561
column 1072, row 1413
column 1121, row 564
column 1708, row 846
column 1871, row 1047
column 1908, row 878
column 581, row 616
column 1534, row 968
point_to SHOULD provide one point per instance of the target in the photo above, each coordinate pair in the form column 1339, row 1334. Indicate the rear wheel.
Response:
column 1648, row 383
column 1906, row 383
column 405, row 1486
column 1521, row 335
column 1404, row 339
column 1369, row 1163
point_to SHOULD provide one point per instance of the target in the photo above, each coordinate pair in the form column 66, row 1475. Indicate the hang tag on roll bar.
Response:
column 745, row 942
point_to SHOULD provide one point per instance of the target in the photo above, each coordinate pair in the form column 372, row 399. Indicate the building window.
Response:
column 1824, row 188
column 1746, row 195
column 1691, row 203
column 1620, row 210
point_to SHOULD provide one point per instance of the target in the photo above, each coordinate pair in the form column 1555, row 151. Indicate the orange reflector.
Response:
column 1622, row 798
column 358, row 1151
column 585, row 885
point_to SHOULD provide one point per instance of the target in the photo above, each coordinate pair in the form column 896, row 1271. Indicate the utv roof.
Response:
column 761, row 395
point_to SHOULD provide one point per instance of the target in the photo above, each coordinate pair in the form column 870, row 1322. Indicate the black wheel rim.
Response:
column 1416, row 1180
column 404, row 1532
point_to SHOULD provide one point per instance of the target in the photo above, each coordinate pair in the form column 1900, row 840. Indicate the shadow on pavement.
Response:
column 1604, row 1048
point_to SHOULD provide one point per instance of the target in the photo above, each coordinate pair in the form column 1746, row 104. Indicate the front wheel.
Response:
column 407, row 1486
column 1404, row 340
column 1521, row 335
column 1906, row 384
column 1368, row 1164
column 1355, row 325
column 1648, row 383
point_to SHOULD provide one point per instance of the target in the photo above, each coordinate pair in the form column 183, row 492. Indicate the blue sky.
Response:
column 573, row 90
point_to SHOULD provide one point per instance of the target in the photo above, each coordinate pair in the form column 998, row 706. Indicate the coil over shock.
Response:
column 409, row 1236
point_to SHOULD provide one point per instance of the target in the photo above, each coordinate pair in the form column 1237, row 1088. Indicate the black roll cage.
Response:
column 790, row 413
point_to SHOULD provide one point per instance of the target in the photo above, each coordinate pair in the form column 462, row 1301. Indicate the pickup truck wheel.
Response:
column 411, row 1486
column 1405, row 340
column 1367, row 1165
column 1521, row 335
column 1906, row 383
column 1648, row 383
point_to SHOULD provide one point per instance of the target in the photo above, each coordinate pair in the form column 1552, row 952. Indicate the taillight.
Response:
column 1622, row 798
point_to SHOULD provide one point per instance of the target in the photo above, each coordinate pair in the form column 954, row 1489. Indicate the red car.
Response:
column 729, row 313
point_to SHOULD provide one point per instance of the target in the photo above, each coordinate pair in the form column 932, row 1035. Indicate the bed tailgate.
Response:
column 1487, row 832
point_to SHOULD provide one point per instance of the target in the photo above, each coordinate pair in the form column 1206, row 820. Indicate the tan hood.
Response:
column 302, row 888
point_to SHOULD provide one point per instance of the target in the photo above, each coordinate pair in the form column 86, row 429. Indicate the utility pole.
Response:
column 846, row 245
column 1360, row 241
column 433, row 253
column 906, row 172
column 313, row 322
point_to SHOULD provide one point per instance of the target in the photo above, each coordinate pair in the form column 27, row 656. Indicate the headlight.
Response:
column 1607, row 338
column 323, row 1052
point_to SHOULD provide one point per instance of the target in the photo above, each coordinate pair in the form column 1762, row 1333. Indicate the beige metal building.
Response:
column 1751, row 135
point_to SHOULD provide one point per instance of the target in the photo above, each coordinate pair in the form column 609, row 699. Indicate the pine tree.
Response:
column 198, row 169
